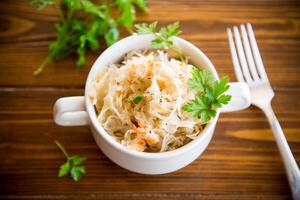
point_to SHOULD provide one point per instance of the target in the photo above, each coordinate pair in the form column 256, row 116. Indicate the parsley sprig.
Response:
column 163, row 37
column 73, row 165
column 210, row 94
column 81, row 24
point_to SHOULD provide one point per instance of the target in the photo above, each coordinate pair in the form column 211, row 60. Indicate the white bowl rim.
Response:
column 147, row 155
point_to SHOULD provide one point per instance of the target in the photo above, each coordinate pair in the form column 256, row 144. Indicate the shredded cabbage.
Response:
column 156, row 123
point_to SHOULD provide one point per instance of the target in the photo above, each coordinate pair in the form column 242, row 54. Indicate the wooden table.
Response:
column 241, row 162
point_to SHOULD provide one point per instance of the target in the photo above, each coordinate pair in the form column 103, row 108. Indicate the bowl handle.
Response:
column 240, row 99
column 70, row 111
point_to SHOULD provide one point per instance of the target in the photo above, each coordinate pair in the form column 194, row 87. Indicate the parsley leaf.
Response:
column 140, row 3
column 72, row 165
column 126, row 13
column 200, row 107
column 163, row 38
column 81, row 24
column 216, row 95
column 200, row 79
column 77, row 172
column 220, row 86
column 40, row 4
column 210, row 94
column 145, row 28
column 64, row 169
column 170, row 30
column 77, row 160
column 137, row 99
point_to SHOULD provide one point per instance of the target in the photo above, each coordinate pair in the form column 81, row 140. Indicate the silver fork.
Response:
column 249, row 68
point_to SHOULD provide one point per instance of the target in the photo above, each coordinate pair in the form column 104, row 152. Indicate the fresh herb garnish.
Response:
column 40, row 4
column 200, row 79
column 82, row 22
column 137, row 99
column 163, row 38
column 73, row 165
column 210, row 94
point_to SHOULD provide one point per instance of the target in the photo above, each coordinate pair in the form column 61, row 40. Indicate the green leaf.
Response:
column 77, row 172
column 91, row 8
column 73, row 164
column 64, row 169
column 92, row 35
column 170, row 30
column 77, row 26
column 221, row 86
column 60, row 48
column 81, row 51
column 72, row 4
column 163, row 38
column 137, row 99
column 207, row 115
column 197, row 105
column 140, row 3
column 157, row 43
column 145, row 28
column 224, row 99
column 200, row 79
column 200, row 107
column 210, row 95
column 111, row 36
column 127, row 13
column 81, row 57
column 81, row 24
column 77, row 160
column 40, row 4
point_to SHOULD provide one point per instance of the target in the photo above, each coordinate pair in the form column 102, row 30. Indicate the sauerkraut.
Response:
column 156, row 122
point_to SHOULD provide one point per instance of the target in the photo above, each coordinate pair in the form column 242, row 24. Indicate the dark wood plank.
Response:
column 25, row 34
column 241, row 161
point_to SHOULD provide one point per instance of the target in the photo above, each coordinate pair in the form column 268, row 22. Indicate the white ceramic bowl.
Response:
column 75, row 111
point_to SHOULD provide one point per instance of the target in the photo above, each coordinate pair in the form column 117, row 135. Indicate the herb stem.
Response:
column 172, row 47
column 42, row 66
column 58, row 10
column 61, row 148
column 179, row 54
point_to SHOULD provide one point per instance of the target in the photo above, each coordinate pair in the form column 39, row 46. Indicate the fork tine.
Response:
column 235, row 60
column 255, row 50
column 249, row 55
column 241, row 54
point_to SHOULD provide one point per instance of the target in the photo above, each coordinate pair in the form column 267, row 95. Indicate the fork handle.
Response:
column 290, row 163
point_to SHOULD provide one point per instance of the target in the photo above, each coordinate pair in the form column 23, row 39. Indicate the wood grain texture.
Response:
column 241, row 162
